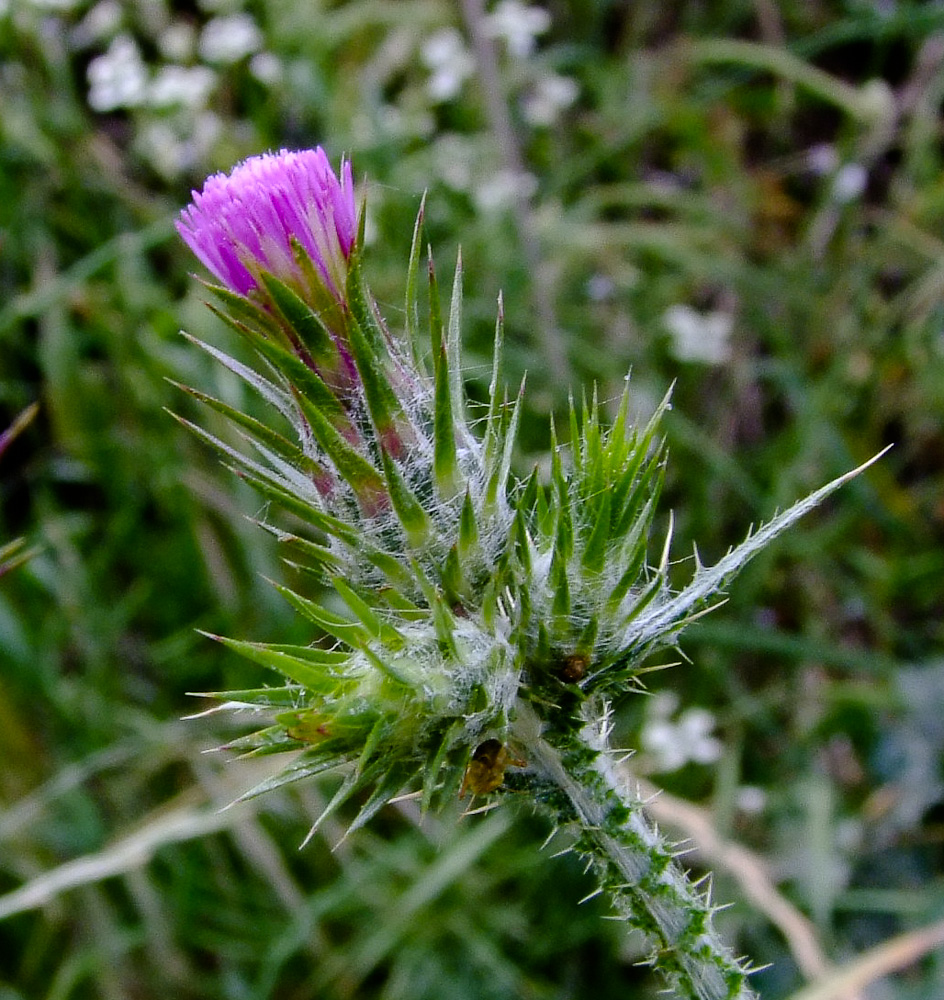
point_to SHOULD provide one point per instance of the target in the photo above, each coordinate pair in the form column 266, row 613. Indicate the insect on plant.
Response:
column 486, row 770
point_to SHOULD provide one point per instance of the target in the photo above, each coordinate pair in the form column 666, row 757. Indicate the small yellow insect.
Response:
column 486, row 769
column 306, row 726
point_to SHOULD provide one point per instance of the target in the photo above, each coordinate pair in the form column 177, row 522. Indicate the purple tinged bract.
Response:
column 243, row 222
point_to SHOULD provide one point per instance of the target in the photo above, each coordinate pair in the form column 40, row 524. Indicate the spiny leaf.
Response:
column 310, row 763
column 351, row 632
column 453, row 579
column 392, row 781
column 361, row 476
column 264, row 697
column 272, row 739
column 498, row 476
column 360, row 304
column 391, row 424
column 301, row 319
column 315, row 674
column 410, row 512
column 434, row 766
column 594, row 555
column 494, row 422
column 454, row 342
column 244, row 311
column 468, row 529
column 256, row 428
column 412, row 274
column 711, row 580
column 445, row 458
column 269, row 391
column 307, row 384
column 377, row 628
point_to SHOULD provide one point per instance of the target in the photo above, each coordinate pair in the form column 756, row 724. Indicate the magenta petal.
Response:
column 245, row 221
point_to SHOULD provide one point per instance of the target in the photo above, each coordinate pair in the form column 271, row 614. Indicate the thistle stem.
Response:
column 578, row 784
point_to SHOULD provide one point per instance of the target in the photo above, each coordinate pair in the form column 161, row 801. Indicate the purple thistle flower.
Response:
column 243, row 222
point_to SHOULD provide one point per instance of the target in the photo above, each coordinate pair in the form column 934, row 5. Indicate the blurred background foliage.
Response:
column 741, row 197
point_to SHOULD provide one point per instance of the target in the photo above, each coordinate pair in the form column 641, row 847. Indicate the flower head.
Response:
column 244, row 222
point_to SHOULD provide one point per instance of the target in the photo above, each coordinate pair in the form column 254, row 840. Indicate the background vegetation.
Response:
column 741, row 197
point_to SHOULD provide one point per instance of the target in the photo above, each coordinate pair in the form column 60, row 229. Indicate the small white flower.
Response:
column 822, row 159
column 450, row 63
column 849, row 183
column 266, row 67
column 517, row 25
column 673, row 744
column 751, row 800
column 551, row 95
column 600, row 288
column 165, row 151
column 178, row 41
column 503, row 189
column 172, row 152
column 99, row 24
column 186, row 86
column 694, row 727
column 699, row 336
column 452, row 161
column 119, row 78
column 229, row 39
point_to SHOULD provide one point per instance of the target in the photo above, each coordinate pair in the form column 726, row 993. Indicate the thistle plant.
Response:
column 488, row 621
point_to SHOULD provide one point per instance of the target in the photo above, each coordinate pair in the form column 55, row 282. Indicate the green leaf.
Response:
column 264, row 697
column 412, row 276
column 350, row 632
column 262, row 432
column 307, row 384
column 361, row 476
column 313, row 669
column 409, row 510
column 494, row 422
column 391, row 424
column 498, row 478
column 468, row 529
column 267, row 390
column 309, row 763
column 377, row 628
column 241, row 310
column 360, row 304
column 594, row 556
column 454, row 342
column 313, row 335
column 445, row 456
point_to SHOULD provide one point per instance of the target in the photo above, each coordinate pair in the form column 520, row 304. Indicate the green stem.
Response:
column 578, row 783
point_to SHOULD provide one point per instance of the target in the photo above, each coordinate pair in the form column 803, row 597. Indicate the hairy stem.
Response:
column 577, row 783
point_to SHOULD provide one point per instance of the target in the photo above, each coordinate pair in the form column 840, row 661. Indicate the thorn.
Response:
column 488, row 807
column 308, row 837
column 405, row 797
column 589, row 896
column 549, row 838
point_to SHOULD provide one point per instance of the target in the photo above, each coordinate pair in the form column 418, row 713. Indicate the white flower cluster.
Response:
column 518, row 26
column 176, row 129
column 696, row 336
column 450, row 64
column 672, row 743
column 542, row 96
